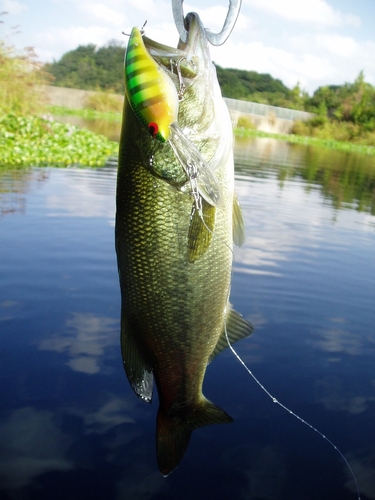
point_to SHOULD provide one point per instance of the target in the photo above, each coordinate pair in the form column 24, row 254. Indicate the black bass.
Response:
column 174, row 235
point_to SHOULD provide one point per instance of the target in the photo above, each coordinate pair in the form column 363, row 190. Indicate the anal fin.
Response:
column 236, row 327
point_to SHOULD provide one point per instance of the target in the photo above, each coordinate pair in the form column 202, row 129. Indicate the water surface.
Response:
column 70, row 425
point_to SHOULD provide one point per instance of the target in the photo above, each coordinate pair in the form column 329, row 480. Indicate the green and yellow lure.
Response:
column 151, row 93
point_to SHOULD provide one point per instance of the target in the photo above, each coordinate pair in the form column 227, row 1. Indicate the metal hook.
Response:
column 213, row 38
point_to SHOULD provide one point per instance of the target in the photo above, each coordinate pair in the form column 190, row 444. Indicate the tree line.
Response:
column 91, row 68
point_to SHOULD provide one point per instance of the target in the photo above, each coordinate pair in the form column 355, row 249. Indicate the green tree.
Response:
column 90, row 68
column 250, row 85
column 351, row 102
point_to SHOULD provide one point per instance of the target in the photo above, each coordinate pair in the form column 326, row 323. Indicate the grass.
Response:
column 26, row 138
column 86, row 113
column 245, row 130
column 20, row 76
column 298, row 139
column 104, row 101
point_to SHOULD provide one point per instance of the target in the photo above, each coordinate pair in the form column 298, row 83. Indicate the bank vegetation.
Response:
column 28, row 134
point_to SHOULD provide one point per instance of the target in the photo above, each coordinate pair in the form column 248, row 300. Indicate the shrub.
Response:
column 20, row 76
column 104, row 101
column 245, row 122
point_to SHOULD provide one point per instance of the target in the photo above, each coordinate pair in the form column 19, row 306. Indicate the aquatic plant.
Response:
column 34, row 141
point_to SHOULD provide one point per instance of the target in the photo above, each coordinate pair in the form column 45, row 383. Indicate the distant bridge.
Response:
column 264, row 117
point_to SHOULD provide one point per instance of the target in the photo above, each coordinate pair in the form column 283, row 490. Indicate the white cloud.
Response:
column 13, row 7
column 54, row 42
column 149, row 7
column 313, row 11
column 290, row 67
column 81, row 35
column 214, row 17
column 114, row 17
column 344, row 46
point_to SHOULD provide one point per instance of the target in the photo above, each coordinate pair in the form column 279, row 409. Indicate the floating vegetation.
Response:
column 34, row 141
column 298, row 139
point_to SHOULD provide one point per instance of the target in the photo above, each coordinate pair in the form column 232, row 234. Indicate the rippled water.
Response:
column 71, row 427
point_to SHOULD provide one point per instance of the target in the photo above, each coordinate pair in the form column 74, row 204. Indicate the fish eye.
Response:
column 153, row 128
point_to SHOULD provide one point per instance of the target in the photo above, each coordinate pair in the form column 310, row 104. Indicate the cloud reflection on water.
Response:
column 114, row 412
column 31, row 444
column 85, row 339
column 336, row 395
column 363, row 465
column 84, row 193
column 36, row 443
column 336, row 340
column 263, row 470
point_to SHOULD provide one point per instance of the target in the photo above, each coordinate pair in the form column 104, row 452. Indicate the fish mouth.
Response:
column 197, row 43
column 183, row 63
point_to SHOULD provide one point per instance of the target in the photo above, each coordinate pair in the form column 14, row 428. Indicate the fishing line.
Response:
column 274, row 400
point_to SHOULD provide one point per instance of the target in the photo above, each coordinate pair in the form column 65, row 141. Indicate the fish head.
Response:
column 201, row 114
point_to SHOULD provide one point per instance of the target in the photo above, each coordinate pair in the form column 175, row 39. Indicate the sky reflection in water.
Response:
column 70, row 426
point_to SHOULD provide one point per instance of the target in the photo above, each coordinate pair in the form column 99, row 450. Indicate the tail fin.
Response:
column 173, row 432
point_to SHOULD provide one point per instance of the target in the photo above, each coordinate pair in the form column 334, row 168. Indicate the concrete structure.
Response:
column 266, row 118
column 71, row 98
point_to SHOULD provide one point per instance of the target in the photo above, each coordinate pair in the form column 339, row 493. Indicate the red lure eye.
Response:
column 153, row 128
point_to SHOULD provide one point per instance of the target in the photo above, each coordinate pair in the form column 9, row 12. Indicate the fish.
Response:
column 173, row 245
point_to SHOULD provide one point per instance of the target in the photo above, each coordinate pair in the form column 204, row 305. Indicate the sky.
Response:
column 313, row 42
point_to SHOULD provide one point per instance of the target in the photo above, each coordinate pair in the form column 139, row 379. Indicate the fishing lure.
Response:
column 154, row 99
column 151, row 93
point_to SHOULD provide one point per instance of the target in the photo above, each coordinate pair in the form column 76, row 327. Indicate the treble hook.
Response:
column 213, row 38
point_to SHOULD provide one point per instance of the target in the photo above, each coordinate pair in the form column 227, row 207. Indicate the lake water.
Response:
column 70, row 425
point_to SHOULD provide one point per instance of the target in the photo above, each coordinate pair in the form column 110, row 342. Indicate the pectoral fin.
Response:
column 195, row 166
column 237, row 328
column 238, row 223
column 139, row 374
column 200, row 230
